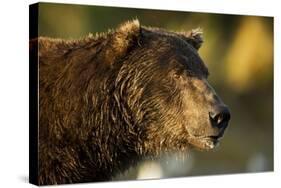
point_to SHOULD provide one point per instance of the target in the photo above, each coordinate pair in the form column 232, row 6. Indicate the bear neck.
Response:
column 114, row 142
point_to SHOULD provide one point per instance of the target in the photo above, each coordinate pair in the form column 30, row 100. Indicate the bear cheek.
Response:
column 195, row 111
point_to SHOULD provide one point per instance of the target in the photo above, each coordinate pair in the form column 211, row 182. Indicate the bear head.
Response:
column 163, row 88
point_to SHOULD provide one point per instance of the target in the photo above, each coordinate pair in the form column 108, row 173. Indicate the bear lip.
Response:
column 210, row 142
column 212, row 137
column 206, row 142
column 215, row 137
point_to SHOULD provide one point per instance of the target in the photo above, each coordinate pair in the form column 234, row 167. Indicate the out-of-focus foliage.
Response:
column 239, row 53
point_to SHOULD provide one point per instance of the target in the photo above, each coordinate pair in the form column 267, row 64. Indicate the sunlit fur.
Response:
column 108, row 101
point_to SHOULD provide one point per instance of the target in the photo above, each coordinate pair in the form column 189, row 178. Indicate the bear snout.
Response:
column 220, row 116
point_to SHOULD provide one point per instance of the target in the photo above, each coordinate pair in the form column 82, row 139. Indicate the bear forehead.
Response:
column 174, row 48
column 164, row 41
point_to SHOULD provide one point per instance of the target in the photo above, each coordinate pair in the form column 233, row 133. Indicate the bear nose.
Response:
column 220, row 116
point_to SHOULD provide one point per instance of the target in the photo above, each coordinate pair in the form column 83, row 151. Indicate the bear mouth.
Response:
column 205, row 142
column 211, row 141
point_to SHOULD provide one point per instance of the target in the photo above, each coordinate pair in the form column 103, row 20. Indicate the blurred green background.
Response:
column 238, row 51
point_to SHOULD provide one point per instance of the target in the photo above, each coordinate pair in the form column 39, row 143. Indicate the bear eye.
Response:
column 177, row 74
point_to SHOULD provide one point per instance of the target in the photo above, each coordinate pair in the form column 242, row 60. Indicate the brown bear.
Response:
column 108, row 101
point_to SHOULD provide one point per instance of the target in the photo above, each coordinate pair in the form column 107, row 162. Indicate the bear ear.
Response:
column 124, row 37
column 195, row 38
